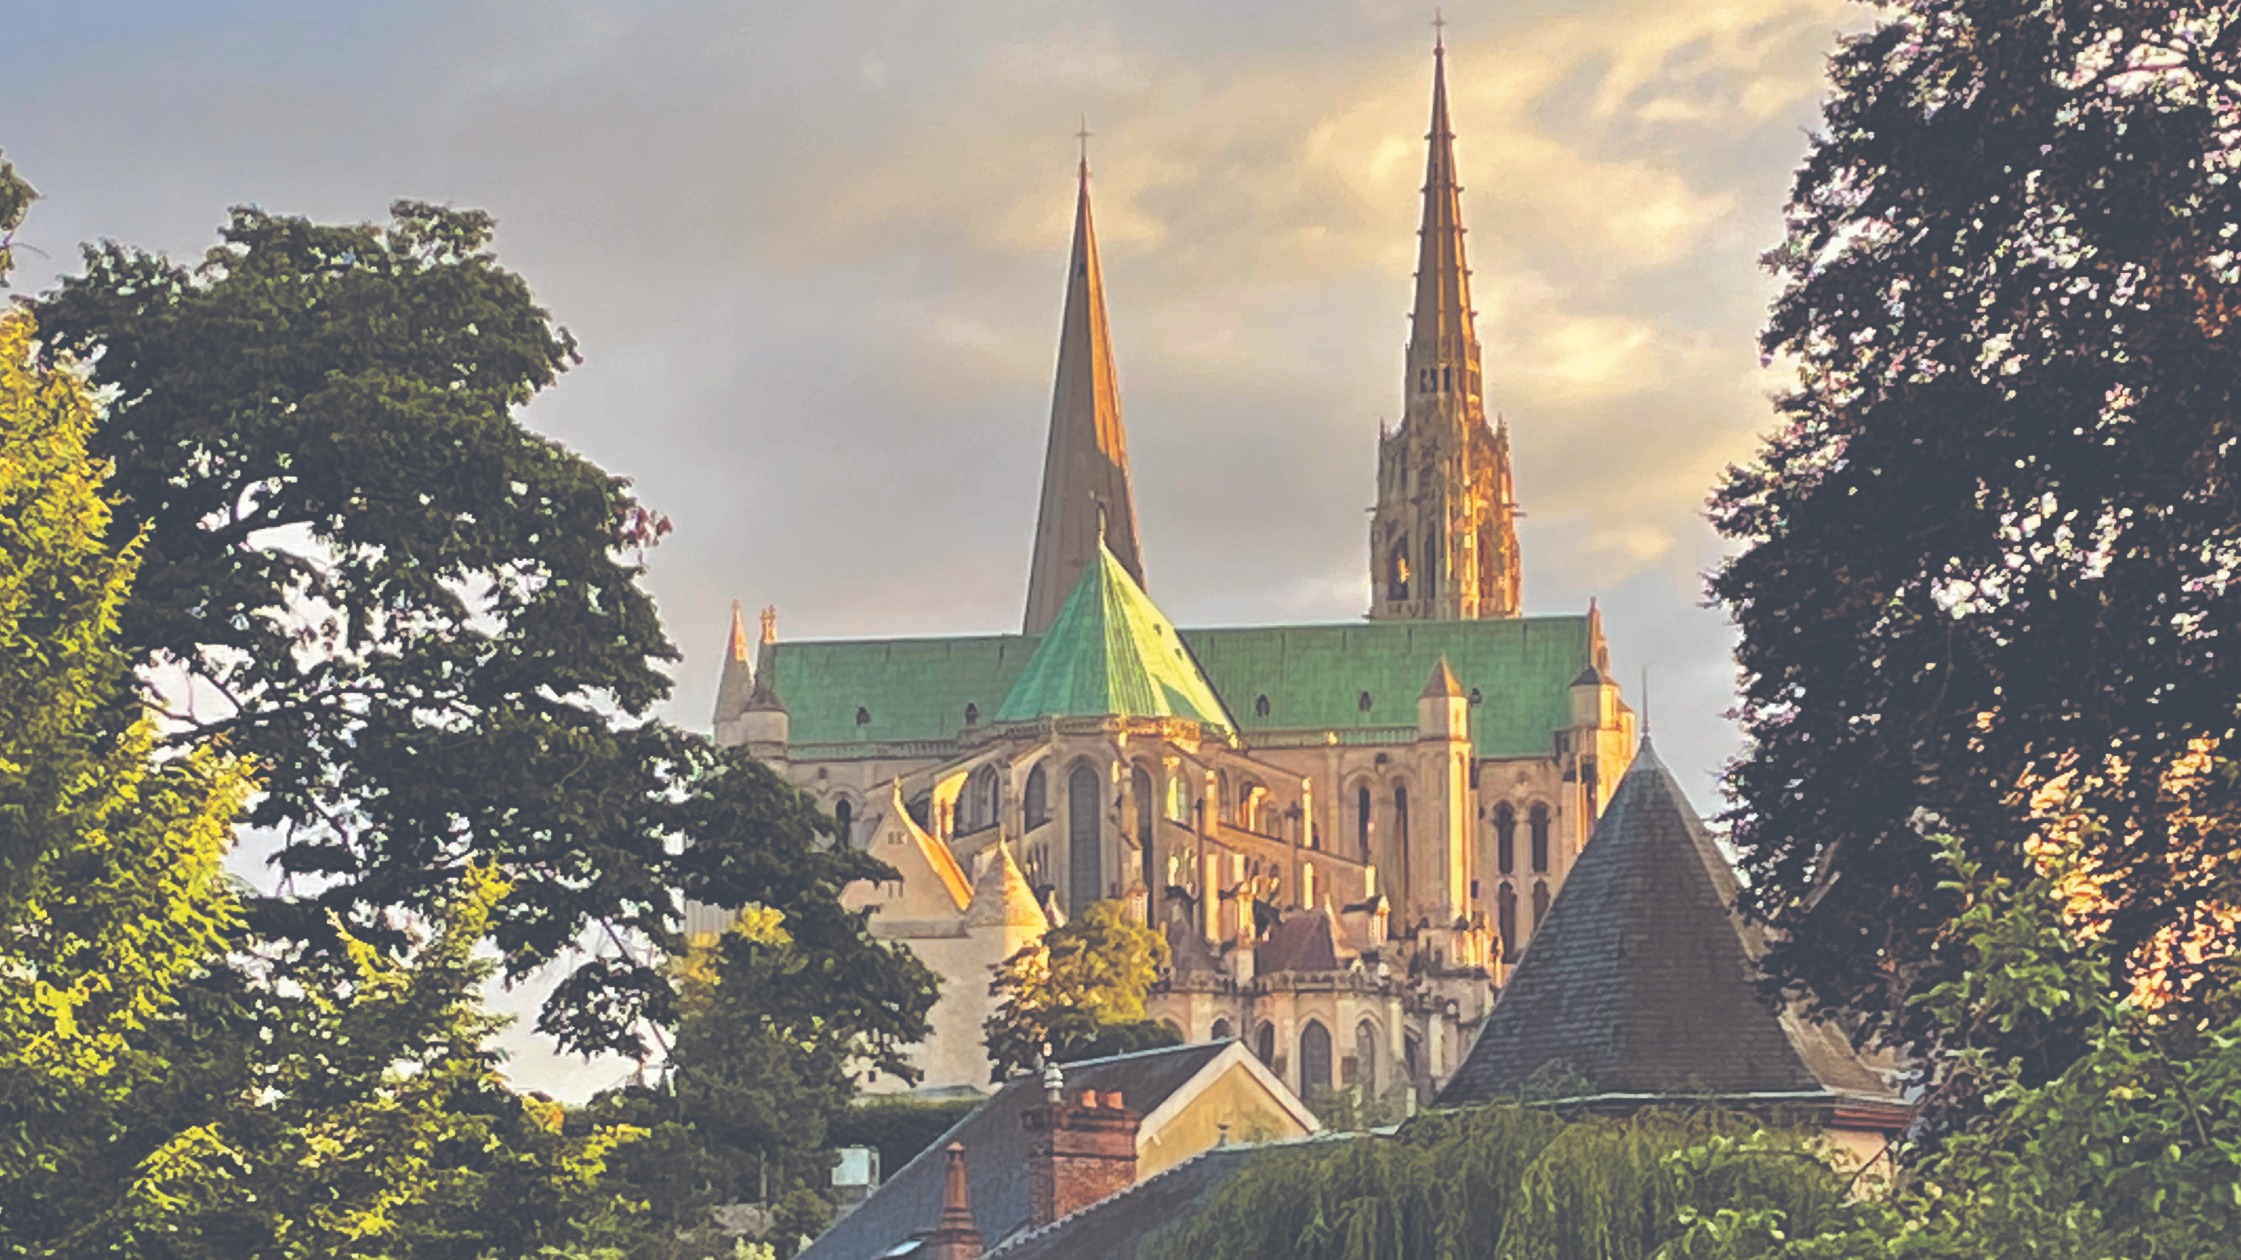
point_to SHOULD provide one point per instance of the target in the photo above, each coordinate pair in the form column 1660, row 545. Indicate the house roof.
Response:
column 1111, row 653
column 1640, row 984
column 1316, row 679
column 996, row 1153
column 1115, row 1228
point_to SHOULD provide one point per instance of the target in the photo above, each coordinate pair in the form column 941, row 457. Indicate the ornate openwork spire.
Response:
column 1441, row 336
column 1085, row 466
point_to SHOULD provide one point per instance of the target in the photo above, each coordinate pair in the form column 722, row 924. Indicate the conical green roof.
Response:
column 1112, row 653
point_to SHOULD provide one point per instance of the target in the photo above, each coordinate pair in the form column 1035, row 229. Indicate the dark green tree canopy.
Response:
column 1993, row 549
column 421, row 619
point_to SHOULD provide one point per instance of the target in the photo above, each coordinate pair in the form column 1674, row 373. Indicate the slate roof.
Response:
column 1306, row 941
column 1111, row 653
column 1639, row 985
column 1314, row 676
column 1114, row 1228
column 996, row 1154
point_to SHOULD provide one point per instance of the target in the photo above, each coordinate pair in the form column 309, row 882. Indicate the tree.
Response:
column 155, row 1100
column 421, row 619
column 1077, row 994
column 2133, row 1149
column 1506, row 1182
column 1990, row 561
column 766, row 1060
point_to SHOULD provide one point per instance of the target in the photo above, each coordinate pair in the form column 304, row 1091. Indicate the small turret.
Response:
column 1443, row 711
column 736, row 682
column 765, row 726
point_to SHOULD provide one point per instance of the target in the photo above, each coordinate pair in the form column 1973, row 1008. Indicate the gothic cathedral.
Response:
column 1346, row 832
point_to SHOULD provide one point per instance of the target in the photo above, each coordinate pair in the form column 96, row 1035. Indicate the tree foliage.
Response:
column 1991, row 549
column 782, row 1014
column 2133, row 1149
column 157, row 1099
column 1504, row 1182
column 421, row 619
column 1077, row 994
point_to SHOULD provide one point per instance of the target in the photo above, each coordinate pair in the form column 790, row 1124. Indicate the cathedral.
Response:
column 1346, row 832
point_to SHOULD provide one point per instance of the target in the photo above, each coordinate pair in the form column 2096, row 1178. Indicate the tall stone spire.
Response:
column 1443, row 540
column 1085, row 466
column 1441, row 336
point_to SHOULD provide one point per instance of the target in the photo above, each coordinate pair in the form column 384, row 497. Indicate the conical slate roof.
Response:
column 1001, row 896
column 737, row 682
column 1112, row 653
column 1639, row 986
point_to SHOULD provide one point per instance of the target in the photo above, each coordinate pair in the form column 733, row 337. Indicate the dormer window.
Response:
column 972, row 715
column 863, row 716
column 1260, row 706
column 1363, row 703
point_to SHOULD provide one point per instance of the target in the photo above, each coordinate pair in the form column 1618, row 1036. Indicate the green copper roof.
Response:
column 1314, row 677
column 1112, row 653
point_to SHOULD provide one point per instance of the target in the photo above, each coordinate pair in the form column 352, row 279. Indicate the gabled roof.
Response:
column 1112, row 653
column 1639, row 986
column 996, row 1153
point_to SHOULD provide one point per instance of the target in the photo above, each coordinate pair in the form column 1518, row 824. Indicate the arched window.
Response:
column 1085, row 855
column 972, row 715
column 863, row 716
column 1400, row 839
column 1540, row 839
column 1412, row 1053
column 844, row 823
column 983, row 798
column 1178, row 799
column 1362, row 820
column 1264, row 1044
column 1396, row 572
column 1221, row 796
column 1540, row 902
column 1362, row 702
column 1447, row 380
column 1505, row 838
column 1037, row 800
column 1144, row 795
column 1314, row 1059
column 1260, row 706
column 1365, row 1057
column 1505, row 916
column 1220, row 1031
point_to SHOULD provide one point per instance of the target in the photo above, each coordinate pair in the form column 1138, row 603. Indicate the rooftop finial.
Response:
column 1439, row 32
column 770, row 623
column 1083, row 136
column 1645, row 702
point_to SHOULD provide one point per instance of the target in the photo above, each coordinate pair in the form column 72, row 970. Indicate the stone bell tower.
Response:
column 1443, row 541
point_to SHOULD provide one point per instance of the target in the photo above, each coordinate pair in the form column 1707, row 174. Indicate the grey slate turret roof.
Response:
column 1639, row 986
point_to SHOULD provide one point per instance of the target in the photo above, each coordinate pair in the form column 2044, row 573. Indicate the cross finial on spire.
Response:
column 1439, row 31
column 1083, row 136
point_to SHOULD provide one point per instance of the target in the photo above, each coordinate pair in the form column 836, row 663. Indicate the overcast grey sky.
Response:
column 815, row 254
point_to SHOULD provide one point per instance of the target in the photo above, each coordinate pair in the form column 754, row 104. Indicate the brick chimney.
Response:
column 1080, row 1150
column 953, row 1236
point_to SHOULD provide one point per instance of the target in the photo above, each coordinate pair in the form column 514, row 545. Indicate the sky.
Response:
column 815, row 255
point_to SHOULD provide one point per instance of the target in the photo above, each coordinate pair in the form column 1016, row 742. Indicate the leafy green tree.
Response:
column 1990, row 548
column 421, row 620
column 157, row 1101
column 2133, row 1149
column 16, row 196
column 1077, row 994
column 781, row 1016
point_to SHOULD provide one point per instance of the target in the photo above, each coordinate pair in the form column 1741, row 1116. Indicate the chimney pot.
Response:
column 1089, row 1100
column 1113, row 1102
